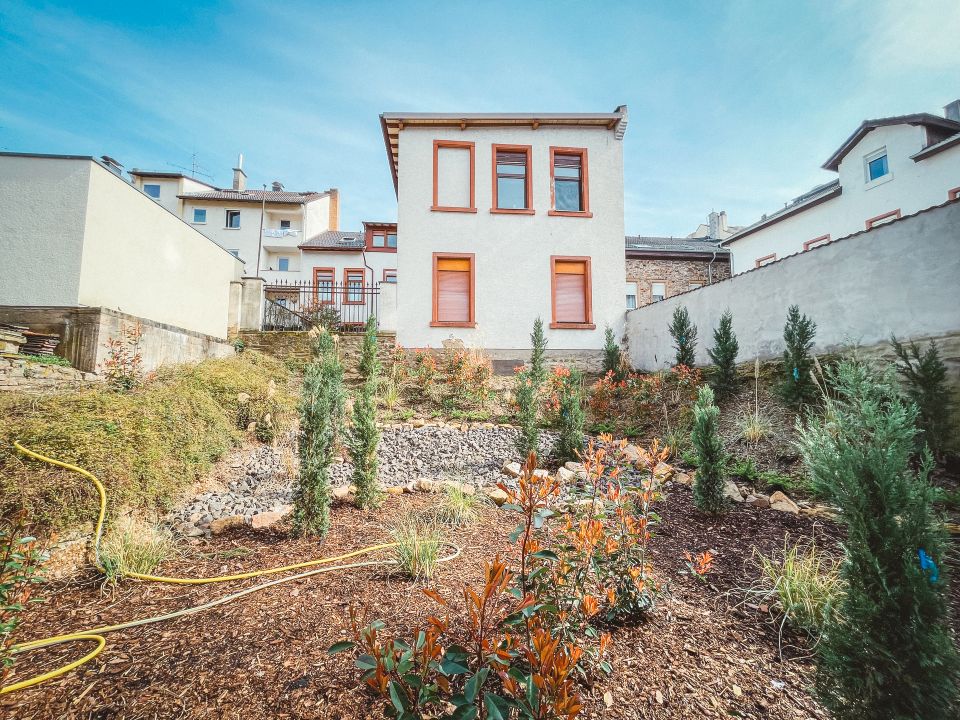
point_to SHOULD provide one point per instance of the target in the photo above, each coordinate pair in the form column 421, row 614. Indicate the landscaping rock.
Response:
column 395, row 489
column 663, row 471
column 730, row 490
column 631, row 453
column 566, row 476
column 683, row 478
column 418, row 422
column 220, row 526
column 261, row 521
column 541, row 473
column 780, row 502
column 497, row 495
column 428, row 486
column 511, row 468
column 761, row 502
column 341, row 492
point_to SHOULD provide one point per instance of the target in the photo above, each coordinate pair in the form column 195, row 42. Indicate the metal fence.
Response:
column 302, row 305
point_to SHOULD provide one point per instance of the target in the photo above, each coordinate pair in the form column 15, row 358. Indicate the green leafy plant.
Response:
column 526, row 396
column 364, row 436
column 684, row 335
column 418, row 542
column 134, row 546
column 20, row 564
column 723, row 354
column 888, row 651
column 571, row 414
column 123, row 366
column 457, row 507
column 239, row 345
column 538, row 343
column 46, row 360
column 745, row 469
column 321, row 415
column 709, row 484
column 798, row 387
column 612, row 356
column 924, row 375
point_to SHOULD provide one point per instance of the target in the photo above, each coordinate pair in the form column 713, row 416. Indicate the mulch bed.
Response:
column 703, row 653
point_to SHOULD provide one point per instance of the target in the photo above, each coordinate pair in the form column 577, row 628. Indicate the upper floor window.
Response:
column 153, row 191
column 391, row 239
column 379, row 238
column 389, row 276
column 284, row 224
column 235, row 253
column 199, row 215
column 568, row 179
column 876, row 165
column 283, row 264
column 453, row 176
column 512, row 189
column 233, row 219
column 631, row 296
column 658, row 291
column 694, row 286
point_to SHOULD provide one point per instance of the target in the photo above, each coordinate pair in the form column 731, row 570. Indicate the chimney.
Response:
column 723, row 221
column 239, row 176
column 952, row 111
column 714, row 220
column 277, row 186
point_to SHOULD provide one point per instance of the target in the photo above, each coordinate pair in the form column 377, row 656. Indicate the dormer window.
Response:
column 876, row 165
column 153, row 191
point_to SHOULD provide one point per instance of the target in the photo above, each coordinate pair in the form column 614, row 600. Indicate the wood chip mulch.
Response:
column 703, row 653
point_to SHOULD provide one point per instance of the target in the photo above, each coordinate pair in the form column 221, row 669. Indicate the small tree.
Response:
column 798, row 386
column 612, row 355
column 925, row 376
column 723, row 354
column 321, row 415
column 364, row 436
column 711, row 459
column 538, row 341
column 684, row 335
column 572, row 416
column 887, row 651
column 527, row 397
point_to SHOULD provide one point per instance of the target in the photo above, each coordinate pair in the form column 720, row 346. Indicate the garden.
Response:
column 756, row 540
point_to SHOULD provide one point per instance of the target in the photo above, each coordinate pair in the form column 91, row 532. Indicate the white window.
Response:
column 153, row 191
column 694, row 286
column 235, row 253
column 283, row 264
column 233, row 219
column 631, row 296
column 658, row 291
column 199, row 216
column 876, row 166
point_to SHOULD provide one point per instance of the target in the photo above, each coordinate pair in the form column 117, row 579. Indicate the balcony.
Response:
column 280, row 239
column 280, row 233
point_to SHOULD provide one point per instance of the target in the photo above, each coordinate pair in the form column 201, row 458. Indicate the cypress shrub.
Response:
column 709, row 483
column 925, row 378
column 364, row 436
column 612, row 356
column 887, row 651
column 798, row 386
column 723, row 354
column 684, row 335
column 538, row 341
column 321, row 415
column 572, row 416
column 527, row 396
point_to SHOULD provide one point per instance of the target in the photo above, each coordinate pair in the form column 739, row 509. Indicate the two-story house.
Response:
column 887, row 169
column 504, row 218
column 264, row 228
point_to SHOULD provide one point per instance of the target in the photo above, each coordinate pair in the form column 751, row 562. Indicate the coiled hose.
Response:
column 96, row 634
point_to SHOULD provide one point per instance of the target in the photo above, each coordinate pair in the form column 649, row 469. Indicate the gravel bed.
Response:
column 262, row 481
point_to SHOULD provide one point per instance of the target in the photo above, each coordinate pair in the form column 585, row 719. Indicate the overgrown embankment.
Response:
column 146, row 445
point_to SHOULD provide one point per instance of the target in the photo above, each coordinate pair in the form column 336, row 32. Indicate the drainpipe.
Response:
column 263, row 207
column 363, row 254
column 710, row 267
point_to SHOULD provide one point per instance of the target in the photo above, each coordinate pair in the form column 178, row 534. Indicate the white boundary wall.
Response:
column 901, row 278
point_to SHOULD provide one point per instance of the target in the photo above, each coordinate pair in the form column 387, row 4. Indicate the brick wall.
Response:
column 677, row 274
column 295, row 347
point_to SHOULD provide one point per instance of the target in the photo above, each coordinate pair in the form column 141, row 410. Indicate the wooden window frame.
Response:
column 471, row 257
column 895, row 214
column 370, row 233
column 584, row 183
column 587, row 290
column 316, row 285
column 388, row 270
column 817, row 241
column 494, row 199
column 346, row 285
column 455, row 144
column 765, row 260
column 953, row 194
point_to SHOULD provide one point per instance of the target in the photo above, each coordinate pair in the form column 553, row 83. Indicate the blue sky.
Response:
column 733, row 105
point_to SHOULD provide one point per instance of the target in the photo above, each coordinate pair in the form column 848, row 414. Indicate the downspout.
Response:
column 363, row 254
column 710, row 267
column 263, row 208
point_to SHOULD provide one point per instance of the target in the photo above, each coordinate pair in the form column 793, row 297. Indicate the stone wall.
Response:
column 294, row 347
column 25, row 376
column 676, row 274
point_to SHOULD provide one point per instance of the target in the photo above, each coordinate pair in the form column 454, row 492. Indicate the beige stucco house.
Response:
column 506, row 217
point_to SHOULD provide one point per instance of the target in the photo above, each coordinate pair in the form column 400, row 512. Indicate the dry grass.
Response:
column 418, row 546
column 134, row 546
column 754, row 427
column 457, row 508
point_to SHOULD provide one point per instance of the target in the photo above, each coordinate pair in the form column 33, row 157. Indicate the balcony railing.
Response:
column 280, row 232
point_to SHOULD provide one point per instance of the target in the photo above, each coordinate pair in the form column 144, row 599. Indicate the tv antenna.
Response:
column 194, row 169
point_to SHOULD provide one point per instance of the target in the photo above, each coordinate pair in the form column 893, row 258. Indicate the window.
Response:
column 765, row 260
column 323, row 285
column 568, row 181
column 658, row 291
column 353, row 285
column 389, row 276
column 572, row 294
column 453, row 176
column 391, row 239
column 876, row 165
column 233, row 219
column 284, row 224
column 235, row 253
column 453, row 290
column 883, row 219
column 283, row 264
column 822, row 240
column 199, row 216
column 631, row 296
column 512, row 189
column 379, row 239
column 153, row 191
column 694, row 286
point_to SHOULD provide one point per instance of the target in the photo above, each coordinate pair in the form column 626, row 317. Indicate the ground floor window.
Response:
column 353, row 285
column 572, row 292
column 453, row 290
column 323, row 285
column 389, row 276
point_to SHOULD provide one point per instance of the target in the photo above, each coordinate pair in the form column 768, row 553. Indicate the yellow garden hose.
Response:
column 94, row 634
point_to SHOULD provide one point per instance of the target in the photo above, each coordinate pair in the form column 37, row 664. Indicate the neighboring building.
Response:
column 661, row 267
column 74, row 233
column 504, row 218
column 233, row 217
column 887, row 169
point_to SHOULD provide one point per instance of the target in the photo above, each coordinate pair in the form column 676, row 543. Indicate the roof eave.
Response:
column 838, row 190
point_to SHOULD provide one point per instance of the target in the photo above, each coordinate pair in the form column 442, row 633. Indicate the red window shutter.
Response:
column 571, row 298
column 453, row 296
